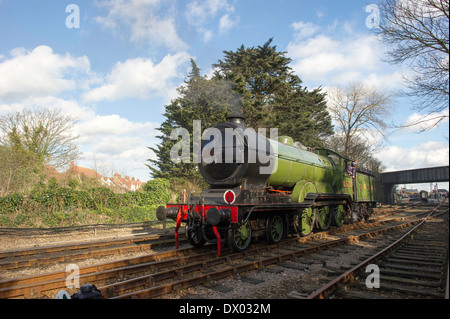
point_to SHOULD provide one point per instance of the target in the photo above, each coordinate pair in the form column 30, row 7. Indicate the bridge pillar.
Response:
column 388, row 194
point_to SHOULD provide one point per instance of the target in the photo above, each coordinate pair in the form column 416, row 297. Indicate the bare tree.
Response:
column 46, row 133
column 360, row 149
column 357, row 110
column 419, row 33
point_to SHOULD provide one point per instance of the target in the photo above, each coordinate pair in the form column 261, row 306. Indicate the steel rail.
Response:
column 69, row 247
column 79, row 254
column 77, row 246
column 205, row 277
column 329, row 288
column 32, row 287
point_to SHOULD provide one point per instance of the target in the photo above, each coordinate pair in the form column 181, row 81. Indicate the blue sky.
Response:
column 117, row 70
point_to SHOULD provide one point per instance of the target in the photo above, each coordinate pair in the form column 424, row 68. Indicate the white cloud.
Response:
column 114, row 125
column 320, row 14
column 201, row 12
column 140, row 78
column 40, row 72
column 70, row 107
column 429, row 154
column 322, row 55
column 116, row 144
column 226, row 23
column 150, row 21
column 108, row 165
column 418, row 122
column 324, row 59
column 207, row 34
column 304, row 29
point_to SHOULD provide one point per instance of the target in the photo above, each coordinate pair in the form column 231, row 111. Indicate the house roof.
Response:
column 78, row 171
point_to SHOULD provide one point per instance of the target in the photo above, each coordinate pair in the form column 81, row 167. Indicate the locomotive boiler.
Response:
column 267, row 188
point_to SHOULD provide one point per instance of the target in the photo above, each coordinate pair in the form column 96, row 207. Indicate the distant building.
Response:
column 125, row 182
column 409, row 193
column 443, row 193
column 130, row 184
column 78, row 171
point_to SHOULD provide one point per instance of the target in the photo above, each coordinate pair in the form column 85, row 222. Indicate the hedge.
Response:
column 155, row 192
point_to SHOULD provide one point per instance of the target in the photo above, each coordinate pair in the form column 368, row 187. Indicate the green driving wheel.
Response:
column 307, row 218
column 274, row 229
column 338, row 215
column 324, row 217
column 239, row 238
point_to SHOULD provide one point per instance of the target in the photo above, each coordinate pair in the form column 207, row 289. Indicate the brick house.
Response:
column 130, row 184
column 74, row 171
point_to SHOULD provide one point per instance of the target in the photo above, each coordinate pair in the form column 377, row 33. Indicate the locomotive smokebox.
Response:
column 233, row 154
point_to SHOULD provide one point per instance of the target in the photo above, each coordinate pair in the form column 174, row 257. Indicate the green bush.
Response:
column 103, row 197
column 157, row 191
column 48, row 205
column 138, row 213
column 11, row 202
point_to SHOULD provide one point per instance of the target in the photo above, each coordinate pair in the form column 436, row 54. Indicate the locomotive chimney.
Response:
column 236, row 118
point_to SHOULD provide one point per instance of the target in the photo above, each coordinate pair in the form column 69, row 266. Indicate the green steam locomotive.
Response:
column 261, row 187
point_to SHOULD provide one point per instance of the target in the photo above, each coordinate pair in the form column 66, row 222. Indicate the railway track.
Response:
column 162, row 273
column 70, row 252
column 30, row 257
column 415, row 266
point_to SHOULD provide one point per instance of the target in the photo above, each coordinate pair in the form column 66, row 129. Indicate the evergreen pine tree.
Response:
column 273, row 96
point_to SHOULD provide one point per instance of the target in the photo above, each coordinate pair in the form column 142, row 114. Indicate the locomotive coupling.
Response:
column 163, row 213
column 217, row 216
